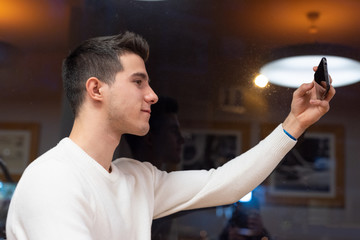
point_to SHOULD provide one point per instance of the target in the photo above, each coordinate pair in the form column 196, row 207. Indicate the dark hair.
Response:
column 98, row 57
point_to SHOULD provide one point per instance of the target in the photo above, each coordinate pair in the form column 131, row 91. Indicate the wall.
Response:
column 46, row 114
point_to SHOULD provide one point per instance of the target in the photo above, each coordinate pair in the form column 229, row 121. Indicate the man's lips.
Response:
column 146, row 110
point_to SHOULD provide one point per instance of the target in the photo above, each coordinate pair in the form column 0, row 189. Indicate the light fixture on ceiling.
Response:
column 295, row 70
column 292, row 65
column 261, row 81
column 313, row 16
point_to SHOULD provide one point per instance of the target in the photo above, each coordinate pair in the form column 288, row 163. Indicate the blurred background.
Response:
column 205, row 54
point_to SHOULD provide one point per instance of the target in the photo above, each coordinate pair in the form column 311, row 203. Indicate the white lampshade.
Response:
column 294, row 71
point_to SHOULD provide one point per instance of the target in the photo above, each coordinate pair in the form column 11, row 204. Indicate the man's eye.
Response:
column 138, row 82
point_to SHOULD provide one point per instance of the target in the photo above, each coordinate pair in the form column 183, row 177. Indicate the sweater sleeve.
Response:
column 184, row 190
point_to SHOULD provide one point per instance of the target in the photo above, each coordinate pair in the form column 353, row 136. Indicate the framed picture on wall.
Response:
column 211, row 145
column 312, row 173
column 18, row 147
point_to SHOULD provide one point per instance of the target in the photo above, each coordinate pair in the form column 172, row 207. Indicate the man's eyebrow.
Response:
column 141, row 75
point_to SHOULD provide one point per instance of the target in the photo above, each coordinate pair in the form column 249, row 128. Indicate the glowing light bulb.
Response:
column 261, row 80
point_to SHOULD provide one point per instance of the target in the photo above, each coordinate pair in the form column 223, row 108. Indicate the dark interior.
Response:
column 201, row 52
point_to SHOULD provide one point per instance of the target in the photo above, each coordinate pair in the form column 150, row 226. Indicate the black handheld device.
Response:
column 322, row 81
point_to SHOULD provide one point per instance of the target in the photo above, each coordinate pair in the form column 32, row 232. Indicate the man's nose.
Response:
column 151, row 97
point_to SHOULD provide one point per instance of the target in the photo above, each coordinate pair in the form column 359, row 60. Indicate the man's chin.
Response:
column 141, row 132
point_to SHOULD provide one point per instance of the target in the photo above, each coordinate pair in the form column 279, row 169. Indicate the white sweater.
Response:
column 65, row 194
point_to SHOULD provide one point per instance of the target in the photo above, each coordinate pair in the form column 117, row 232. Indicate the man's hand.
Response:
column 306, row 109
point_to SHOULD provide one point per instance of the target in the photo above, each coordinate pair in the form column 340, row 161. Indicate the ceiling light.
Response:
column 293, row 71
column 313, row 16
column 261, row 81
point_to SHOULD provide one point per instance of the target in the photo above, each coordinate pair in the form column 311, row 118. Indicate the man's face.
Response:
column 130, row 97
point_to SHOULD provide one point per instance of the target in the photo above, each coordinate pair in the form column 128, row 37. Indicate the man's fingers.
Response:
column 324, row 105
column 330, row 94
column 303, row 89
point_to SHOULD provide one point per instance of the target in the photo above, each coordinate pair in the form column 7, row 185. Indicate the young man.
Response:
column 75, row 191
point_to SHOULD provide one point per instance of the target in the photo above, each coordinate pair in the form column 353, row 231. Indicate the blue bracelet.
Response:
column 289, row 135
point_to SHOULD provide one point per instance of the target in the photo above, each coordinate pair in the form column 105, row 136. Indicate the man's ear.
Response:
column 94, row 88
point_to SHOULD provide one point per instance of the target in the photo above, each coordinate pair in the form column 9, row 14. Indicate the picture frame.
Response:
column 210, row 145
column 18, row 147
column 312, row 173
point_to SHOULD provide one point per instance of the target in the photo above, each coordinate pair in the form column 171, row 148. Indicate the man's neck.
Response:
column 95, row 143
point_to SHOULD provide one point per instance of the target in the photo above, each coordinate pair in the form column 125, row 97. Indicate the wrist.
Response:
column 292, row 126
column 289, row 135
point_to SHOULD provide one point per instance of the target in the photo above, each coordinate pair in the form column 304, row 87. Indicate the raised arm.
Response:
column 183, row 190
column 306, row 109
